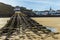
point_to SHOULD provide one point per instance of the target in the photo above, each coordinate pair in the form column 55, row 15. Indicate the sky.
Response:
column 35, row 4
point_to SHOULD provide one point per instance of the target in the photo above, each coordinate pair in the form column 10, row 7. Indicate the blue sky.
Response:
column 35, row 4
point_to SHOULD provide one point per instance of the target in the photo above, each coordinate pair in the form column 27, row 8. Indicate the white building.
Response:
column 17, row 9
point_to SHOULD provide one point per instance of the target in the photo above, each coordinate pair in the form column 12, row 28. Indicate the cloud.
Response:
column 34, row 4
column 39, row 1
column 45, row 2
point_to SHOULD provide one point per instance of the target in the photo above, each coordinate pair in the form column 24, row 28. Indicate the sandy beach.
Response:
column 46, row 21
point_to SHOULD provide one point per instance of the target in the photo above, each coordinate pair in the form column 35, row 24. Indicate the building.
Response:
column 41, row 12
column 17, row 9
column 48, row 12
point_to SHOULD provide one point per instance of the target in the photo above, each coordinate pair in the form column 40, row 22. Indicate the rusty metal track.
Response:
column 20, row 23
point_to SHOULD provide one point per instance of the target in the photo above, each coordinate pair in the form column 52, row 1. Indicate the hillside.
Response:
column 7, row 10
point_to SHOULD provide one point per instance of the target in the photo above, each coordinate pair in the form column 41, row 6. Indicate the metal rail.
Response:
column 20, row 24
